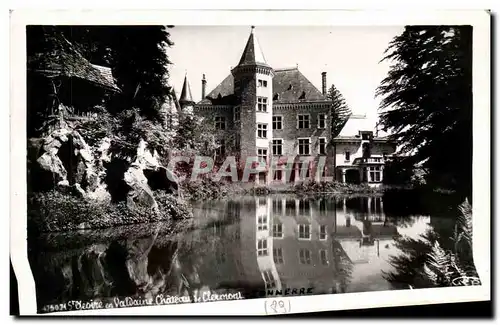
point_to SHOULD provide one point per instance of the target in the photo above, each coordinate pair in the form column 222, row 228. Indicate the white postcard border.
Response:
column 480, row 21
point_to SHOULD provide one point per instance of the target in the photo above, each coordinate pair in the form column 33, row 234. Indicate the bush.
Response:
column 333, row 187
column 54, row 211
column 204, row 189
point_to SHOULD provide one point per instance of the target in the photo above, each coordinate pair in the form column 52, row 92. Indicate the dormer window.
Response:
column 290, row 87
column 303, row 95
column 276, row 97
column 366, row 135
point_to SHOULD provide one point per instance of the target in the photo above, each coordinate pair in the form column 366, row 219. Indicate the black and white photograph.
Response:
column 173, row 164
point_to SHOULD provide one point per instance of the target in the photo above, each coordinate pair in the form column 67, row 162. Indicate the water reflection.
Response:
column 258, row 246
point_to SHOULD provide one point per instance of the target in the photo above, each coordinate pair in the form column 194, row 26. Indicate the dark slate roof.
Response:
column 186, row 96
column 289, row 86
column 252, row 54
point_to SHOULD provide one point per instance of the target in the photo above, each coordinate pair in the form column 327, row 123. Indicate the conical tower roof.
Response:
column 186, row 96
column 252, row 54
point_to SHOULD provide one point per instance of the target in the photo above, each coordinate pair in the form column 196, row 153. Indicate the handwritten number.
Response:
column 277, row 307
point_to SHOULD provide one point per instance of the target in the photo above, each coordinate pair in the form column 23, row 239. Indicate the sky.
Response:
column 350, row 55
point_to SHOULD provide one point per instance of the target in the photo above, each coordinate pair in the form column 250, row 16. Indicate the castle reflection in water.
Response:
column 282, row 242
column 255, row 246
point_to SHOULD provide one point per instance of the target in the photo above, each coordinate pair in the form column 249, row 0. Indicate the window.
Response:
column 277, row 147
column 323, row 256
column 375, row 174
column 220, row 122
column 322, row 206
column 304, row 256
column 347, row 156
column 278, row 255
column 277, row 207
column 278, row 175
column 305, row 166
column 262, row 83
column 304, row 231
column 262, row 104
column 322, row 146
column 278, row 230
column 304, row 207
column 277, row 122
column 262, row 154
column 365, row 136
column 237, row 141
column 221, row 148
column 262, row 222
column 268, row 279
column 303, row 121
column 237, row 114
column 262, row 247
column 290, row 207
column 262, row 201
column 322, row 232
column 321, row 121
column 304, row 145
column 262, row 131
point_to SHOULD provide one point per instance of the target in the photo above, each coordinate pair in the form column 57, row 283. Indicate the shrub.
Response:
column 55, row 211
column 203, row 189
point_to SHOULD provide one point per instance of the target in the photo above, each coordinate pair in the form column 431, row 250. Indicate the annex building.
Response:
column 274, row 114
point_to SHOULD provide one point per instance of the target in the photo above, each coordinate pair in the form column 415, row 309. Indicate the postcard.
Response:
column 249, row 162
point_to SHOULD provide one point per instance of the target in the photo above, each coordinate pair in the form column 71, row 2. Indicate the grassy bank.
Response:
column 70, row 240
column 54, row 211
column 207, row 189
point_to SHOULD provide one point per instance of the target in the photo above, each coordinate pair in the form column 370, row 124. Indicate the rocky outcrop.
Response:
column 64, row 160
column 146, row 174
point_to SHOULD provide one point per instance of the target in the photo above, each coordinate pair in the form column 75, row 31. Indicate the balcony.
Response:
column 371, row 160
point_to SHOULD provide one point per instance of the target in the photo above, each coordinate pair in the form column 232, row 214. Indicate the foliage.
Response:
column 55, row 211
column 427, row 101
column 333, row 187
column 132, row 128
column 137, row 56
column 97, row 128
column 444, row 265
column 340, row 110
column 434, row 261
column 204, row 189
column 194, row 134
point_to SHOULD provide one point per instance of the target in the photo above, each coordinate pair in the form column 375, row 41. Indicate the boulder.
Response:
column 146, row 174
column 63, row 159
column 140, row 194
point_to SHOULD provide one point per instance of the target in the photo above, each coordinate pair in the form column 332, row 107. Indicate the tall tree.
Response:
column 427, row 102
column 340, row 111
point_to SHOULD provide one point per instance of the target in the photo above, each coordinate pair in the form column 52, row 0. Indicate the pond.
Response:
column 244, row 247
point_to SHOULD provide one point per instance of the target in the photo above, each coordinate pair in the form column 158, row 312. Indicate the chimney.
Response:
column 323, row 83
column 203, row 87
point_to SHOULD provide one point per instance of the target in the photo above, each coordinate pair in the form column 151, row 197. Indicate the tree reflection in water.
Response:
column 437, row 260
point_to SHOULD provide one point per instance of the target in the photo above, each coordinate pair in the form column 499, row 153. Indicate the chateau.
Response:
column 275, row 114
